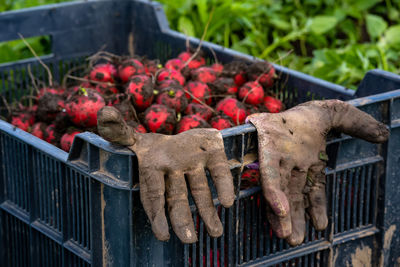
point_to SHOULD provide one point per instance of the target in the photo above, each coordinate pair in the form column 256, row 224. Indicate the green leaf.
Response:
column 392, row 35
column 375, row 25
column 186, row 26
column 339, row 13
column 323, row 156
column 322, row 24
column 202, row 8
column 280, row 24
column 365, row 4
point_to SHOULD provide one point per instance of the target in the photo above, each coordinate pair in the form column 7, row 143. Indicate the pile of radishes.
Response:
column 183, row 94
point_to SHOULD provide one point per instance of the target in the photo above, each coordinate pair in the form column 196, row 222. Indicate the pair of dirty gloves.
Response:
column 291, row 151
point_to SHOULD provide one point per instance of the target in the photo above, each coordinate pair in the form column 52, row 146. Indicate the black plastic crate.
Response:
column 83, row 208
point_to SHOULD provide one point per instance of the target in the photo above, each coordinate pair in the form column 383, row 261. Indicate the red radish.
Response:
column 240, row 78
column 50, row 90
column 250, row 178
column 140, row 129
column 251, row 174
column 236, row 70
column 49, row 105
column 140, row 87
column 103, row 73
column 224, row 86
column 114, row 99
column 67, row 139
column 137, row 127
column 232, row 108
column 33, row 109
column 184, row 56
column 38, row 129
column 204, row 74
column 174, row 64
column 272, row 104
column 62, row 122
column 198, row 91
column 190, row 122
column 74, row 89
column 50, row 135
column 151, row 66
column 218, row 68
column 129, row 68
column 173, row 98
column 199, row 110
column 87, row 83
column 221, row 122
column 252, row 93
column 106, row 89
column 251, row 109
column 83, row 106
column 195, row 63
column 23, row 120
column 168, row 83
column 264, row 72
column 126, row 109
column 160, row 119
column 168, row 74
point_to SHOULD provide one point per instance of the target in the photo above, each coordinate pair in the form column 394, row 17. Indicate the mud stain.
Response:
column 333, row 257
column 107, row 260
column 388, row 237
column 386, row 245
column 361, row 258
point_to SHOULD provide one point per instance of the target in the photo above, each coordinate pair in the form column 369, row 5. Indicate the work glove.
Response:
column 292, row 157
column 164, row 161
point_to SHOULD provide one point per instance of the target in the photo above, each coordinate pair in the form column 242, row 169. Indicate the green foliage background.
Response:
column 14, row 50
column 334, row 40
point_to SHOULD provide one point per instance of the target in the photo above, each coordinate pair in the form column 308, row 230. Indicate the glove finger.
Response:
column 270, row 166
column 317, row 196
column 279, row 210
column 298, row 222
column 222, row 177
column 112, row 127
column 296, row 186
column 178, row 208
column 282, row 226
column 350, row 120
column 152, row 189
column 271, row 182
column 203, row 199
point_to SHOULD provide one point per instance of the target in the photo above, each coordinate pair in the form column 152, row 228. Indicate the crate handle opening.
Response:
column 16, row 50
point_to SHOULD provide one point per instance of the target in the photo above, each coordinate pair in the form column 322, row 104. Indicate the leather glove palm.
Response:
column 292, row 160
column 164, row 161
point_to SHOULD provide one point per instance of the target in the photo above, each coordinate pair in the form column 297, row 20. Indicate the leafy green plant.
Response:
column 335, row 40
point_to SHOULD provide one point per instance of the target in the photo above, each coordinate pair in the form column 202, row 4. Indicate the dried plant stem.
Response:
column 71, row 70
column 133, row 110
column 33, row 79
column 38, row 58
column 201, row 40
column 131, row 46
column 6, row 104
column 201, row 102
column 214, row 55
column 88, row 80
column 249, row 92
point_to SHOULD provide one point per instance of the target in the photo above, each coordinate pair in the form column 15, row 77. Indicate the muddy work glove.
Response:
column 164, row 161
column 292, row 160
